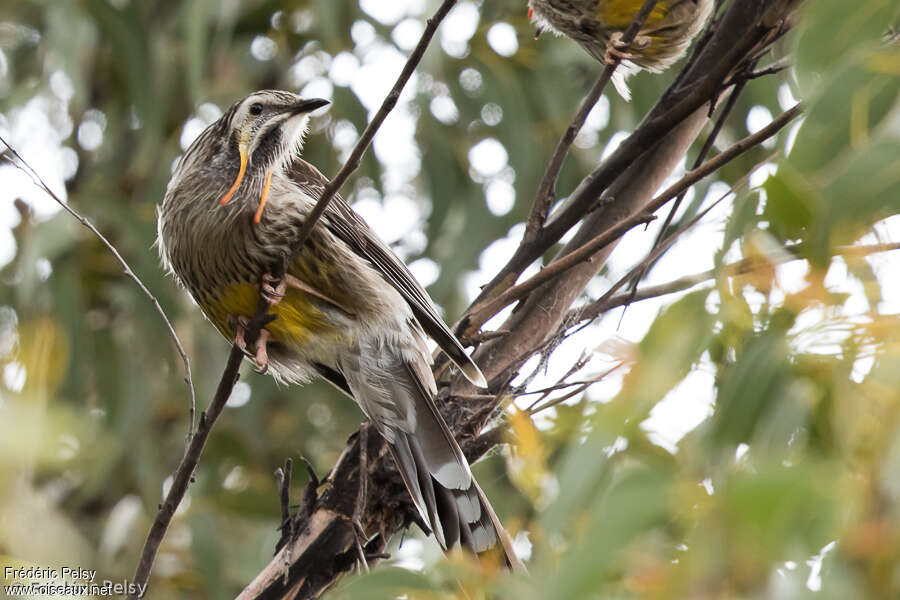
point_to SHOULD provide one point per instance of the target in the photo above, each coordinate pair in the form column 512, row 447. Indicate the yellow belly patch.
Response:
column 299, row 318
column 618, row 14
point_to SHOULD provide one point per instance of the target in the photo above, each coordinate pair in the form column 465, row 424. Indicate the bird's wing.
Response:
column 343, row 222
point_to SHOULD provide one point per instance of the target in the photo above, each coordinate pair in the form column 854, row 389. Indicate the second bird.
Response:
column 598, row 26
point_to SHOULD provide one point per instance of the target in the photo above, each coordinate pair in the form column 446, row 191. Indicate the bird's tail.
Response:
column 398, row 396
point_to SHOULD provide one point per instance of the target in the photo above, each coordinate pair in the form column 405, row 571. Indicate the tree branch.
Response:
column 750, row 21
column 659, row 249
column 591, row 311
column 479, row 313
column 701, row 156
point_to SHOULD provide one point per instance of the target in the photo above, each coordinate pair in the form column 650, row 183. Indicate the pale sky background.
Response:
column 43, row 133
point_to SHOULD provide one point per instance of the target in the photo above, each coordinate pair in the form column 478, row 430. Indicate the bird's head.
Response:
column 255, row 134
column 268, row 125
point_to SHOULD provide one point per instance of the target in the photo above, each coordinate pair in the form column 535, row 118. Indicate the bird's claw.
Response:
column 261, row 356
column 272, row 293
column 616, row 49
column 240, row 330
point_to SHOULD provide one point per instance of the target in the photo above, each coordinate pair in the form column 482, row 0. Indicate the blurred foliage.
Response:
column 788, row 490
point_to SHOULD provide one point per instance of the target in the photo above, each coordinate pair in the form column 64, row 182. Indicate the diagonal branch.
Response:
column 753, row 21
column 659, row 249
column 701, row 156
column 483, row 311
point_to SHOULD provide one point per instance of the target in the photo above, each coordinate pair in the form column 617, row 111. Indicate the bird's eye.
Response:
column 256, row 108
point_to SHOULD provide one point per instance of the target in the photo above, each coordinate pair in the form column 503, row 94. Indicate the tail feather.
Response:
column 457, row 517
column 428, row 457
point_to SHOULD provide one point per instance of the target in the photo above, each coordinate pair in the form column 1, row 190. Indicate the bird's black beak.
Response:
column 307, row 105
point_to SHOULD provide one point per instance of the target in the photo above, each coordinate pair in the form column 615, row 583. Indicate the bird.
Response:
column 347, row 308
column 598, row 25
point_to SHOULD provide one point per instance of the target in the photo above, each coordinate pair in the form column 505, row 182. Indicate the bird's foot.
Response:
column 240, row 330
column 616, row 49
column 272, row 288
column 261, row 356
column 641, row 42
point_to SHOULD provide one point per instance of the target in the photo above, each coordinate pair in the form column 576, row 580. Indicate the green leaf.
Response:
column 790, row 203
column 753, row 385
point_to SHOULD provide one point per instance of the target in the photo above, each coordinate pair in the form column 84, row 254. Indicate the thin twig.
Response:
column 479, row 337
column 745, row 265
column 23, row 166
column 726, row 156
column 533, row 410
column 362, row 494
column 546, row 190
column 582, row 387
column 555, row 387
column 773, row 69
column 365, row 139
column 659, row 250
column 701, row 156
column 594, row 309
column 283, row 476
column 579, row 364
column 184, row 472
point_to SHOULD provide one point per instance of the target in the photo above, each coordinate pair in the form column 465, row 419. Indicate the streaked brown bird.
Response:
column 598, row 26
column 347, row 309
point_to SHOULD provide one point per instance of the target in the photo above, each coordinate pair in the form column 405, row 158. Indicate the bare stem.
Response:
column 21, row 164
column 661, row 248
column 595, row 309
column 485, row 310
column 585, row 197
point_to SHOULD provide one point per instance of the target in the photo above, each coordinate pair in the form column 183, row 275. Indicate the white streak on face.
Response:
column 293, row 133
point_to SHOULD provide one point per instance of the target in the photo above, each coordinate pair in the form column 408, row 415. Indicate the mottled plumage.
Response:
column 663, row 39
column 354, row 313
